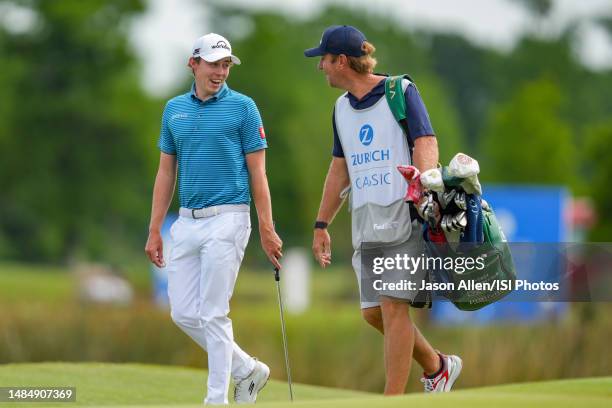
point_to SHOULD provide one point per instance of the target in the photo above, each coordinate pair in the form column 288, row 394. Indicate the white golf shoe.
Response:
column 444, row 381
column 246, row 389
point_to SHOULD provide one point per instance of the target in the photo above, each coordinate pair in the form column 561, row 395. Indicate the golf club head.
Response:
column 459, row 221
column 460, row 200
column 446, row 197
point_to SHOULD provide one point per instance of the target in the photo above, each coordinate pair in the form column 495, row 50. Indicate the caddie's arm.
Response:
column 425, row 157
column 163, row 190
column 270, row 241
column 425, row 154
column 337, row 180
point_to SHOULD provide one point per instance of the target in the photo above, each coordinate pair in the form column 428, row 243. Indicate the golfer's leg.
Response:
column 184, row 281
column 242, row 363
column 221, row 256
column 399, row 343
column 184, row 274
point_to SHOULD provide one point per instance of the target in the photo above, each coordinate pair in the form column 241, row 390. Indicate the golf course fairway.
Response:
column 101, row 384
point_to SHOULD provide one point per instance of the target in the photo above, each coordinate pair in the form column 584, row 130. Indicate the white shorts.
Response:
column 413, row 247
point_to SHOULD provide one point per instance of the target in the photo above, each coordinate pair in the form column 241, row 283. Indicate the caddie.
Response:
column 213, row 138
column 368, row 146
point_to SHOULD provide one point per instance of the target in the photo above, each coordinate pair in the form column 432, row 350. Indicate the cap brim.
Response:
column 219, row 56
column 314, row 52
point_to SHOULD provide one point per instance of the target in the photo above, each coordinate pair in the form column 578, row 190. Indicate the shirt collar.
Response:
column 221, row 93
column 378, row 90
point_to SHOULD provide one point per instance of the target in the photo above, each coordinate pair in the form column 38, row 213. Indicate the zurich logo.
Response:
column 366, row 135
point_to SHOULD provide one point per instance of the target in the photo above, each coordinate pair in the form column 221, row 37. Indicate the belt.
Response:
column 212, row 211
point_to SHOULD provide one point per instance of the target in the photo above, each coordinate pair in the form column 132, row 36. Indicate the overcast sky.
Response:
column 163, row 36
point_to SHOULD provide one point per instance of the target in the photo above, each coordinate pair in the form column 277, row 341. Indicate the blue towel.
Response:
column 473, row 232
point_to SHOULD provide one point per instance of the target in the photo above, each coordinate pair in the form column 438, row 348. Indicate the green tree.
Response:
column 598, row 164
column 76, row 133
column 527, row 139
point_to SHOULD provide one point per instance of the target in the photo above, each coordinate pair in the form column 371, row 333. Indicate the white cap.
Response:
column 213, row 47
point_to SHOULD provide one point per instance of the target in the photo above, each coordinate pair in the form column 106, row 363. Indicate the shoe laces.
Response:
column 242, row 383
column 429, row 384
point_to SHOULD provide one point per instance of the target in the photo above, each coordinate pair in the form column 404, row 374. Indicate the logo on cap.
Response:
column 196, row 51
column 221, row 44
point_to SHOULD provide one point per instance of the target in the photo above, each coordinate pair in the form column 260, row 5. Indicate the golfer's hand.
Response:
column 321, row 247
column 272, row 245
column 155, row 249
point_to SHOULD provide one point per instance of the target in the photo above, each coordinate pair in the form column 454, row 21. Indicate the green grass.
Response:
column 141, row 385
column 35, row 283
column 138, row 384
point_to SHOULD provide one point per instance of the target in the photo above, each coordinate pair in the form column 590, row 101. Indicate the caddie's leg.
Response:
column 221, row 256
column 373, row 316
column 423, row 353
column 399, row 343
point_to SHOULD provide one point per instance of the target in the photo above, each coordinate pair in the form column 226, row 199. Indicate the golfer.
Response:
column 214, row 138
column 368, row 146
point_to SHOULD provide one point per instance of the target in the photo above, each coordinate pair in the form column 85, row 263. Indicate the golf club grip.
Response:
column 276, row 275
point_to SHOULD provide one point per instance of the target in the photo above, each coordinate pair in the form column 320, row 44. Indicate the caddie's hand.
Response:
column 271, row 244
column 321, row 246
column 155, row 249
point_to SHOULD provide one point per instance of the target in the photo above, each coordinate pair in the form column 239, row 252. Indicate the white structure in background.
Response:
column 98, row 283
column 295, row 280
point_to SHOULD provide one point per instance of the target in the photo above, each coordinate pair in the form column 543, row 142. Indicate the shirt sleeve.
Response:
column 252, row 132
column 166, row 141
column 337, row 151
column 416, row 114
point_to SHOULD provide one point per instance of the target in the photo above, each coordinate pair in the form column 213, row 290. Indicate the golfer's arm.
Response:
column 425, row 154
column 163, row 190
column 337, row 180
column 256, row 163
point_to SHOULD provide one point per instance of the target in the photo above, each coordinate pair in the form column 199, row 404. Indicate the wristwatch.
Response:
column 320, row 225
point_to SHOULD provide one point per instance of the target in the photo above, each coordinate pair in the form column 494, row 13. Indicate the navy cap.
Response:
column 339, row 39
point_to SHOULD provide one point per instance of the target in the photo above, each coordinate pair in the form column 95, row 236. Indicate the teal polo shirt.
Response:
column 210, row 140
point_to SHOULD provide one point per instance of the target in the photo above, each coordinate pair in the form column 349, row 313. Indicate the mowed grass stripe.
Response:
column 117, row 384
column 132, row 385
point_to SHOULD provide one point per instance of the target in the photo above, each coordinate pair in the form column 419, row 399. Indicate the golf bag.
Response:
column 495, row 266
column 465, row 228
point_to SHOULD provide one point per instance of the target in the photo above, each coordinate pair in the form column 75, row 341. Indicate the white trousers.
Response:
column 202, row 270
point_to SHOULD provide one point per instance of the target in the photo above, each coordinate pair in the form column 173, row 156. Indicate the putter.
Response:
column 282, row 318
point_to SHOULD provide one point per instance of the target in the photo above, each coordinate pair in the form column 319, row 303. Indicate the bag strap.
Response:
column 395, row 98
column 394, row 92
